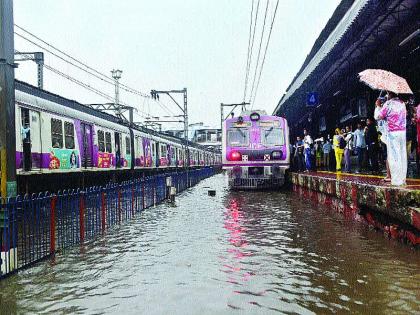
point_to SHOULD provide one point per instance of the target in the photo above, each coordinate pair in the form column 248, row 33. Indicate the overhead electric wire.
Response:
column 129, row 89
column 252, row 47
column 259, row 51
column 249, row 45
column 81, row 83
column 95, row 73
column 265, row 53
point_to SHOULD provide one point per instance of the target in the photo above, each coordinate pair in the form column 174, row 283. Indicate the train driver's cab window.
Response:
column 238, row 137
column 56, row 133
column 108, row 144
column 272, row 136
column 69, row 135
column 101, row 141
column 127, row 145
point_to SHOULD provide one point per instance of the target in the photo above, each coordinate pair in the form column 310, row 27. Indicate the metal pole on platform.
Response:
column 7, row 101
column 116, row 75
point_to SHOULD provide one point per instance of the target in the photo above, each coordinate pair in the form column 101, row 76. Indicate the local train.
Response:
column 255, row 150
column 58, row 135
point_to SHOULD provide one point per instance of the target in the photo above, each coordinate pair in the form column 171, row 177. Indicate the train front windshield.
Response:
column 272, row 136
column 238, row 137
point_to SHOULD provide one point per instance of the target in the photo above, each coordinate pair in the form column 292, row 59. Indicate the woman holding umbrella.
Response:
column 395, row 113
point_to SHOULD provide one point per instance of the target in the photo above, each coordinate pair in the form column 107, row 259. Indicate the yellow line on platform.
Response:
column 351, row 174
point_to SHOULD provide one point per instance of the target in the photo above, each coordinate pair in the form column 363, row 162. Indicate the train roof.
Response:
column 35, row 91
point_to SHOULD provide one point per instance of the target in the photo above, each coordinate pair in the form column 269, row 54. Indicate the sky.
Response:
column 201, row 45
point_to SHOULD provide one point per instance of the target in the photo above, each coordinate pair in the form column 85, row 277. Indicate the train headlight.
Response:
column 254, row 117
column 277, row 155
column 235, row 156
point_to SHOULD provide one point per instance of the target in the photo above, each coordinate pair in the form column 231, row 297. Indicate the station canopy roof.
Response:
column 360, row 34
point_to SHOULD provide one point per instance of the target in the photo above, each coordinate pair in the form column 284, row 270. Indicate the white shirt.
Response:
column 349, row 140
column 307, row 141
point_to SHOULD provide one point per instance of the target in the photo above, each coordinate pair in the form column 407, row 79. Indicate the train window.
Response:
column 108, row 144
column 101, row 141
column 238, row 137
column 163, row 150
column 69, row 135
column 127, row 145
column 56, row 133
column 272, row 136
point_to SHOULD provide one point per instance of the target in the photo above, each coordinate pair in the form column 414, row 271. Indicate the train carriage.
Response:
column 255, row 150
column 57, row 135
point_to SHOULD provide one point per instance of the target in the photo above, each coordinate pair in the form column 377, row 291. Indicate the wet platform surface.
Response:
column 412, row 184
column 398, row 207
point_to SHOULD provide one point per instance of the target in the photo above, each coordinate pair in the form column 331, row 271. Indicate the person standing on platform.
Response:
column 299, row 155
column 395, row 113
column 307, row 144
column 360, row 145
column 326, row 149
column 347, row 150
column 338, row 141
column 372, row 145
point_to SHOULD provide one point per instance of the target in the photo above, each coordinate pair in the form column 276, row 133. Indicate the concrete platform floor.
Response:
column 399, row 204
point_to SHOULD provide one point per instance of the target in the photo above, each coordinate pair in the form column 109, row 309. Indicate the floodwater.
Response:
column 235, row 253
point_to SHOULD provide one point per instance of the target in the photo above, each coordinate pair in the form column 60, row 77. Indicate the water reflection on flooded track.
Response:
column 236, row 253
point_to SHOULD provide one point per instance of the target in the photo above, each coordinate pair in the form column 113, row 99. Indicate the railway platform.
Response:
column 391, row 209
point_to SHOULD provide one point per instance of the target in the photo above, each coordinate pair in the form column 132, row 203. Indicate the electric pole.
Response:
column 184, row 109
column 116, row 75
column 222, row 116
column 7, row 101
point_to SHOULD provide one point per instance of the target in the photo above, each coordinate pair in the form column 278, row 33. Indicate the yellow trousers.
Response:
column 338, row 158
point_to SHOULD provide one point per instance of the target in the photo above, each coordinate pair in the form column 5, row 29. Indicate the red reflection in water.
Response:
column 236, row 254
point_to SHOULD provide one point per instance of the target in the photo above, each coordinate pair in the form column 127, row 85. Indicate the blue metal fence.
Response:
column 37, row 226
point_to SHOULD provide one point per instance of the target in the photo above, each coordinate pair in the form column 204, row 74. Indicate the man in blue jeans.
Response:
column 360, row 145
column 307, row 144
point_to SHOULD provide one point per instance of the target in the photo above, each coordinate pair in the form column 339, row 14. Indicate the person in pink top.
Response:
column 395, row 114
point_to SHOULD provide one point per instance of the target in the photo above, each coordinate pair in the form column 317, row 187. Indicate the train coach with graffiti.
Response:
column 55, row 135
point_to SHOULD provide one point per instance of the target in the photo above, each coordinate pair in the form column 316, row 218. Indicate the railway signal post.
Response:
column 7, row 101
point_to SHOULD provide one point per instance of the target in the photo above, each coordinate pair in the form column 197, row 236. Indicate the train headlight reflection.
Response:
column 276, row 155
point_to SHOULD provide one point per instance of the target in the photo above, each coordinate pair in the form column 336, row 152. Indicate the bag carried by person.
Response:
column 342, row 143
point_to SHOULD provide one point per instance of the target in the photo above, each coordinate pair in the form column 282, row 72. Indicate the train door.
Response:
column 26, row 139
column 31, row 139
column 35, row 139
column 157, row 148
column 117, row 149
column 86, row 151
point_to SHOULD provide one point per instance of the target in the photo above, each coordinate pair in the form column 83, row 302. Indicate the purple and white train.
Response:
column 255, row 150
column 58, row 135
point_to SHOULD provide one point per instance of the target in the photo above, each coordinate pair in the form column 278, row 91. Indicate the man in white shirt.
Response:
column 307, row 144
column 360, row 144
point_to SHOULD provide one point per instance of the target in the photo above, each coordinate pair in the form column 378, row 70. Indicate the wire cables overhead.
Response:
column 82, row 66
column 257, row 65
column 265, row 53
column 249, row 50
column 76, row 63
column 259, row 48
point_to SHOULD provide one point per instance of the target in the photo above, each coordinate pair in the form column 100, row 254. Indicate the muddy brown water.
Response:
column 235, row 253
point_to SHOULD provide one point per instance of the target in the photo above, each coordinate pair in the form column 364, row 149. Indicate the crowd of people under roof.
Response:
column 387, row 141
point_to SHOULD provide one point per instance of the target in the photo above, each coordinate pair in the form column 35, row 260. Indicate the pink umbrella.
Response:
column 379, row 79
